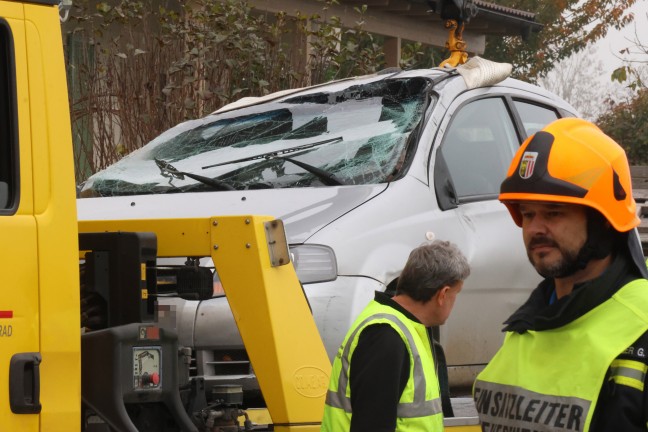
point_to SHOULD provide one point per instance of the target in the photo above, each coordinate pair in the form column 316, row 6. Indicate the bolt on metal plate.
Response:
column 277, row 243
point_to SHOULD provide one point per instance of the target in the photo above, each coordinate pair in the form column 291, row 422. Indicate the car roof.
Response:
column 502, row 80
column 254, row 100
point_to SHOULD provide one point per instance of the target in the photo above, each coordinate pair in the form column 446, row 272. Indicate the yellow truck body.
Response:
column 40, row 295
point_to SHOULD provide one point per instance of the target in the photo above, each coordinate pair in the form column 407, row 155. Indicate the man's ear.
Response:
column 441, row 295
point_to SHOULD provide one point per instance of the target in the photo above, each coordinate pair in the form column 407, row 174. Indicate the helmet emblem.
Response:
column 527, row 164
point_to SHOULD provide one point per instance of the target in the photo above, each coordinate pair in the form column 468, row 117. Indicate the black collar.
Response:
column 537, row 314
column 386, row 300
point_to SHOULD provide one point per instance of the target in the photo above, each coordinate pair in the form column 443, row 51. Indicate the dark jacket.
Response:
column 380, row 352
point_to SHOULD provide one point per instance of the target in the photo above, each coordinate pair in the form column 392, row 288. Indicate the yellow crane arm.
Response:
column 455, row 44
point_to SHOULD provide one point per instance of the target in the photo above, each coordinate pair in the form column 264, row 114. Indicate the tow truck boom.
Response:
column 252, row 259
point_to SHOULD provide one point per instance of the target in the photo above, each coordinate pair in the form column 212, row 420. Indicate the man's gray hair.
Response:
column 430, row 267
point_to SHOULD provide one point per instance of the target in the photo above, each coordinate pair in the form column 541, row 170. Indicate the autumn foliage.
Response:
column 627, row 124
column 569, row 26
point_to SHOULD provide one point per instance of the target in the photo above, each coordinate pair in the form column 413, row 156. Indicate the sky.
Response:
column 592, row 100
column 616, row 40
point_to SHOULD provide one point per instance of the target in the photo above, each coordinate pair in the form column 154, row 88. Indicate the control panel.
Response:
column 146, row 367
column 130, row 377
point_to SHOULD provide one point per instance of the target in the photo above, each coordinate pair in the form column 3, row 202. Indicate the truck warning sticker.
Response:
column 6, row 330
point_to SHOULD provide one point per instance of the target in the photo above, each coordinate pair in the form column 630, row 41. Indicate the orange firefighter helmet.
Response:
column 572, row 161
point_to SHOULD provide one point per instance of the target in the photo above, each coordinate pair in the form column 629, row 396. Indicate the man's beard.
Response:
column 569, row 263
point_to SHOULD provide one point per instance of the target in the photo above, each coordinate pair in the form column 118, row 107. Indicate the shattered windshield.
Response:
column 341, row 134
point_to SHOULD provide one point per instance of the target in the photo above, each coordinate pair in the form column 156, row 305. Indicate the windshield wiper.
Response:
column 277, row 153
column 169, row 171
column 325, row 177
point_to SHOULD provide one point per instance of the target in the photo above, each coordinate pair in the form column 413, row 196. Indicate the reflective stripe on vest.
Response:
column 550, row 380
column 419, row 407
column 630, row 373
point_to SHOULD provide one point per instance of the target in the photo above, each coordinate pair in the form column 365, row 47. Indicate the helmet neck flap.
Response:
column 602, row 240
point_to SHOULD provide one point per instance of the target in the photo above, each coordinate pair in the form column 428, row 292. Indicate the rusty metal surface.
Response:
column 490, row 19
column 505, row 10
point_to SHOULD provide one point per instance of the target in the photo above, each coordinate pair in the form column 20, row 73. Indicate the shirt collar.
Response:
column 386, row 300
column 537, row 314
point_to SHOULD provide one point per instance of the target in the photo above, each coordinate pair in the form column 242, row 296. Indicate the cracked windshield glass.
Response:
column 341, row 134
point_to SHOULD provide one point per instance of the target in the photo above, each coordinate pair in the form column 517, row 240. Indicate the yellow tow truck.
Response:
column 83, row 343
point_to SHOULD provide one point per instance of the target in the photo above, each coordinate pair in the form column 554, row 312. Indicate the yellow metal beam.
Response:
column 275, row 323
column 175, row 237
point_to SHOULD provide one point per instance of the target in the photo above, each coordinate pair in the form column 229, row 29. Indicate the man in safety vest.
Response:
column 383, row 376
column 575, row 354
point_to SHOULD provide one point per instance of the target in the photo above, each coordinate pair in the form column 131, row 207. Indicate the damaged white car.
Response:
column 361, row 171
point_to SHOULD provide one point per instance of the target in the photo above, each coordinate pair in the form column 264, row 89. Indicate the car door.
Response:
column 483, row 129
column 19, row 308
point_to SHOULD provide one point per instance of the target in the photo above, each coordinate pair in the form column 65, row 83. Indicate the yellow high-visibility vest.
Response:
column 419, row 408
column 550, row 380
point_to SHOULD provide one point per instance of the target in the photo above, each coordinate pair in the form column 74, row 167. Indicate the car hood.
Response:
column 304, row 211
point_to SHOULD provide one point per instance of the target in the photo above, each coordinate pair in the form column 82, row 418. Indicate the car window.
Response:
column 534, row 117
column 478, row 147
column 346, row 133
column 8, row 172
